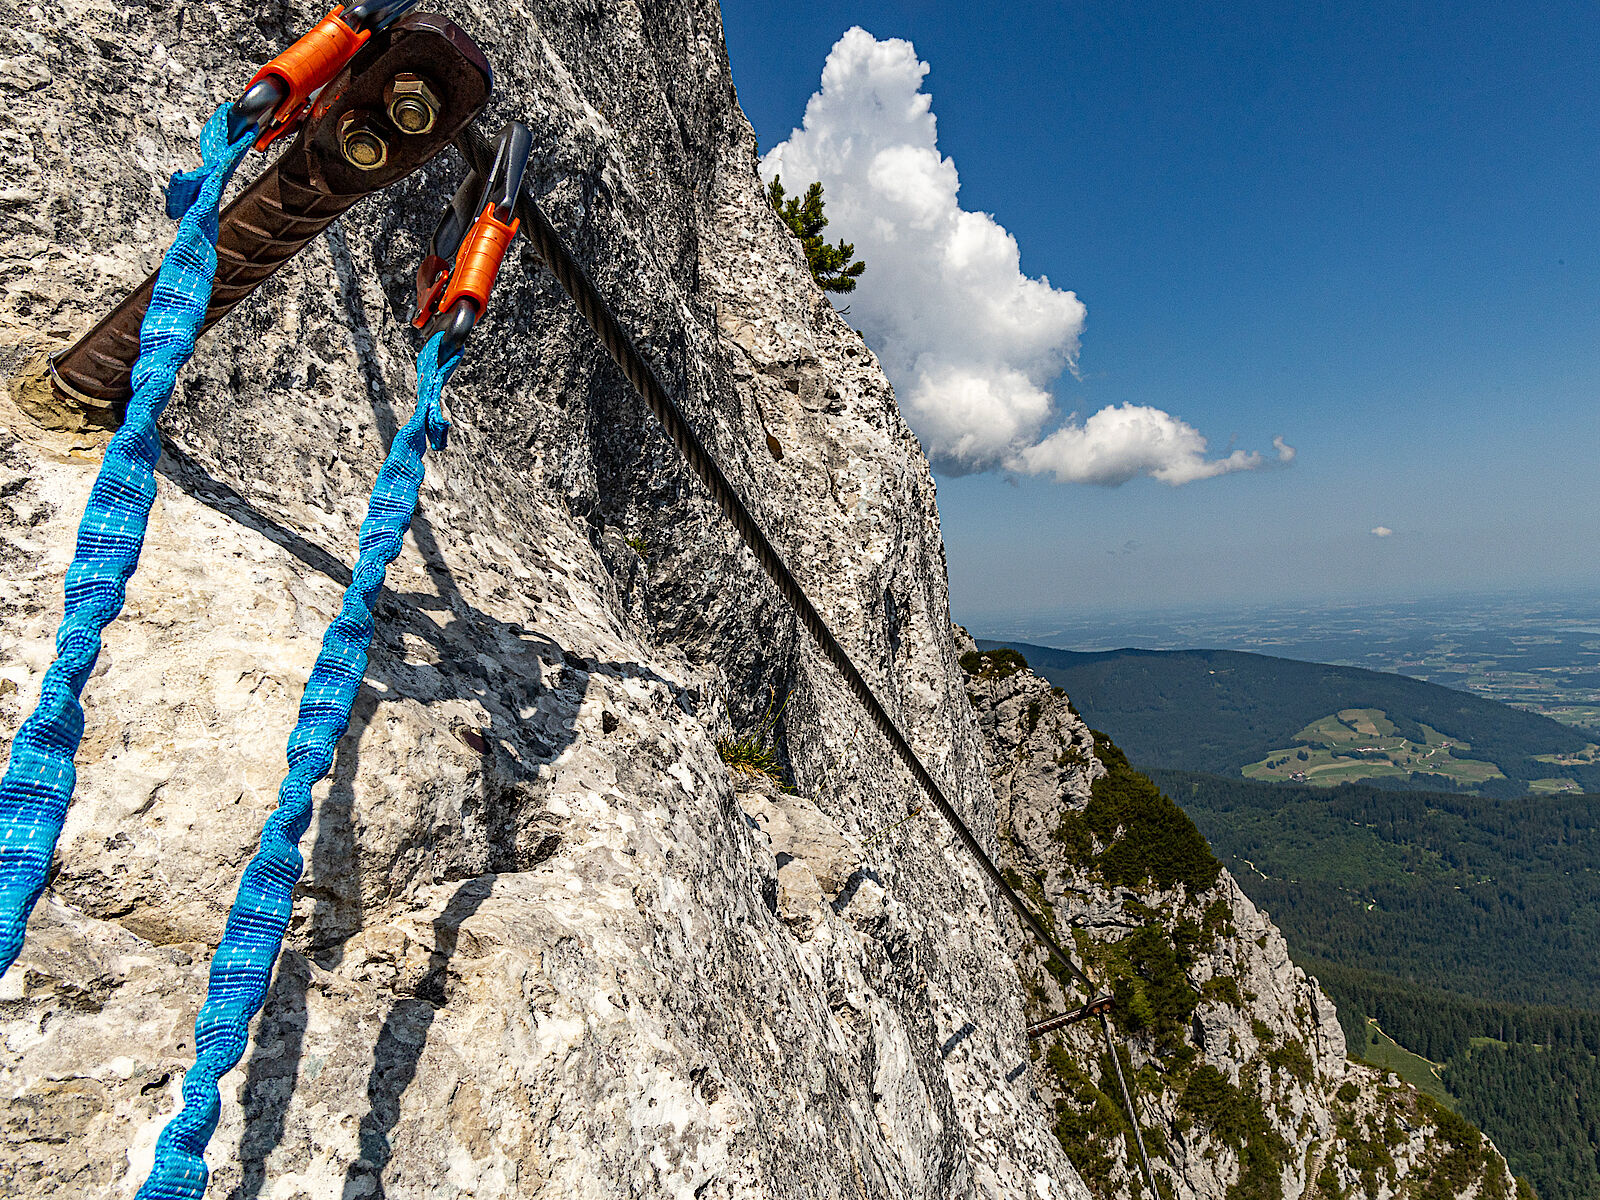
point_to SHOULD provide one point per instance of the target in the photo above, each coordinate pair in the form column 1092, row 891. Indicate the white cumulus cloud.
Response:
column 970, row 342
column 1125, row 440
column 1383, row 531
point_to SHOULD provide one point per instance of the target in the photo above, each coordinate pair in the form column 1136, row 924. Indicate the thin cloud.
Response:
column 970, row 342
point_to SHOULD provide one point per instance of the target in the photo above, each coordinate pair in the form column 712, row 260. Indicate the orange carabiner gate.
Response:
column 479, row 259
column 466, row 252
column 307, row 66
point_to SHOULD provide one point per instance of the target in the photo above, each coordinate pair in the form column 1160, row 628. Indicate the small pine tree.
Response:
column 831, row 266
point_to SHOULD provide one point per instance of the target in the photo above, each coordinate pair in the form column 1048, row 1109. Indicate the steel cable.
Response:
column 576, row 283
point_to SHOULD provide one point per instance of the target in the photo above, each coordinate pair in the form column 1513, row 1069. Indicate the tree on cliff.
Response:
column 830, row 265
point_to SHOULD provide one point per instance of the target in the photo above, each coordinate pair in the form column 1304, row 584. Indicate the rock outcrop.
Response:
column 1246, row 1090
column 547, row 945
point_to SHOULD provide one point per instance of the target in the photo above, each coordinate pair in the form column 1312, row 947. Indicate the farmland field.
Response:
column 1362, row 743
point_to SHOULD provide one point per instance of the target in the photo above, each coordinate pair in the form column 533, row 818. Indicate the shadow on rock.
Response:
column 508, row 804
column 404, row 1037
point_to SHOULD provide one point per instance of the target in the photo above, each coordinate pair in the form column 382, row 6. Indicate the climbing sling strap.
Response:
column 215, row 260
column 40, row 776
column 241, row 969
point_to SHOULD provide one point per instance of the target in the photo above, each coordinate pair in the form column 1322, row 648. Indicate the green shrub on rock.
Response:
column 993, row 664
column 1147, row 838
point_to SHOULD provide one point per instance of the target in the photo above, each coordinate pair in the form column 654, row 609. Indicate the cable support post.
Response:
column 586, row 297
column 1101, row 1003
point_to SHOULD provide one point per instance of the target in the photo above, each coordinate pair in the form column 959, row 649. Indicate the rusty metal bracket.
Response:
column 314, row 181
column 1100, row 1004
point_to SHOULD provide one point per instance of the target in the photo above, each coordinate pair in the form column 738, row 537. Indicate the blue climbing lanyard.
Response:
column 39, row 779
column 40, row 775
column 242, row 966
column 464, row 261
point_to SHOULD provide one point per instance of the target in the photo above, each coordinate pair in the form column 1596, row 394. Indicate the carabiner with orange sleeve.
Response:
column 464, row 257
column 279, row 95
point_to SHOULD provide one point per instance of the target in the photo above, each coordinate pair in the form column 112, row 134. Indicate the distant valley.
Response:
column 1536, row 650
column 1281, row 720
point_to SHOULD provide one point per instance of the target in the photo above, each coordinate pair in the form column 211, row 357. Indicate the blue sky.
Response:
column 1371, row 229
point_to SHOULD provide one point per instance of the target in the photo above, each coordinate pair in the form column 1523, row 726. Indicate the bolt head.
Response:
column 365, row 149
column 412, row 104
column 362, row 145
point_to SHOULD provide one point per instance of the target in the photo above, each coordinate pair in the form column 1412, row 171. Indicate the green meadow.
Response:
column 1383, row 1052
column 1362, row 743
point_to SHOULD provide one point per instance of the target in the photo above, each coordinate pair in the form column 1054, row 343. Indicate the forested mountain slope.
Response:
column 1464, row 925
column 1478, row 895
column 1238, row 1055
column 1221, row 710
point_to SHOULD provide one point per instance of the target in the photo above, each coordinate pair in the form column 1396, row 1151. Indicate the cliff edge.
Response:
column 1245, row 1087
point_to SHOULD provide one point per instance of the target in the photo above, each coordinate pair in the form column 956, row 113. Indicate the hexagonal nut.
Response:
column 361, row 141
column 411, row 102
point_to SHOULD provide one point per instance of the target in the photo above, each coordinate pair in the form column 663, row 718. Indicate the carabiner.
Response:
column 465, row 253
column 279, row 95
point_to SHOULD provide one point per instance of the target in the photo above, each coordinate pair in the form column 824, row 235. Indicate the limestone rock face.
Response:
column 1245, row 1087
column 546, row 944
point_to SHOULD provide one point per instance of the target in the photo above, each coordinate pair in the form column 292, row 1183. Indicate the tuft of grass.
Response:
column 638, row 545
column 755, row 754
column 748, row 756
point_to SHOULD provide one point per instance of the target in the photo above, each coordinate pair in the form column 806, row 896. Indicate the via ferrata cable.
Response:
column 40, row 775
column 542, row 236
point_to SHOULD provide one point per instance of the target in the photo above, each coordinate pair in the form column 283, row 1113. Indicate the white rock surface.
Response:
column 540, row 949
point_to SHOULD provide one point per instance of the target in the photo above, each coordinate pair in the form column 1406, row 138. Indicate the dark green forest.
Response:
column 1217, row 710
column 1479, row 896
column 1466, row 926
column 1528, row 1075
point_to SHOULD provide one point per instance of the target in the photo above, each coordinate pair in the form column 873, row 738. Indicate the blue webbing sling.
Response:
column 40, row 775
column 241, row 969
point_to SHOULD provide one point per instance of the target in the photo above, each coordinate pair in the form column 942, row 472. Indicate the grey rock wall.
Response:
column 547, row 945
